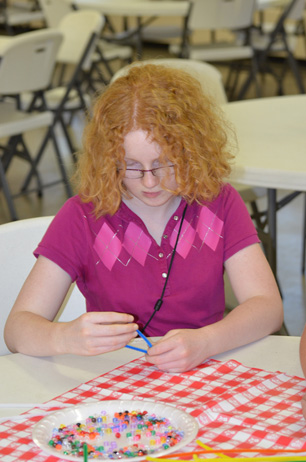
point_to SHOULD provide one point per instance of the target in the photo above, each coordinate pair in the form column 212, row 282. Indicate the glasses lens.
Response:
column 163, row 171
column 160, row 172
column 133, row 174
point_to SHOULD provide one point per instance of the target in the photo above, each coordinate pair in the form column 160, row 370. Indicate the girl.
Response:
column 149, row 234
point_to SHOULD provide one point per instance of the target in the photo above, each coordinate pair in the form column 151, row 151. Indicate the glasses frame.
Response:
column 143, row 171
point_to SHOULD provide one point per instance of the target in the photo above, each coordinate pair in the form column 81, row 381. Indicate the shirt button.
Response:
column 175, row 217
column 165, row 236
column 160, row 255
column 164, row 275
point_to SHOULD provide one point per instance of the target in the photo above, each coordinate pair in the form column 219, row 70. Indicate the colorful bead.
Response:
column 141, row 434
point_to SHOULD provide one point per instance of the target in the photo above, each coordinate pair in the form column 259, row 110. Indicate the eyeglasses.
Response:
column 160, row 172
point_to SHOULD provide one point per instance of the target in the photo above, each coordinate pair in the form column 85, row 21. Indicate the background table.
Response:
column 271, row 135
column 264, row 4
column 27, row 379
column 143, row 10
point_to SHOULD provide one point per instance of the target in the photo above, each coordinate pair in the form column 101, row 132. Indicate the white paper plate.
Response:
column 180, row 420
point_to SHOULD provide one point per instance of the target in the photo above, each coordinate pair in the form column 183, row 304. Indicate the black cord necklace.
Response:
column 159, row 302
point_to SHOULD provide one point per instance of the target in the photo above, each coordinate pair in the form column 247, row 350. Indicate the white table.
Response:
column 26, row 379
column 132, row 8
column 271, row 134
column 264, row 4
column 4, row 41
column 138, row 9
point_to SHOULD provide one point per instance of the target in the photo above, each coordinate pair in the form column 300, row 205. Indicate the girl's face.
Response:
column 141, row 153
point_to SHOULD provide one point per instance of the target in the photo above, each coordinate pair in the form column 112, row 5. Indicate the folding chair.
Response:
column 208, row 75
column 27, row 64
column 18, row 240
column 80, row 31
column 213, row 15
column 106, row 53
column 14, row 16
column 276, row 41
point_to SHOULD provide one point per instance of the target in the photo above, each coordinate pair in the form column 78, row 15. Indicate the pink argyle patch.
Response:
column 136, row 243
column 108, row 246
column 209, row 228
column 185, row 240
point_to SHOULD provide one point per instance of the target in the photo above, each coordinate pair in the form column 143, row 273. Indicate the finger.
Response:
column 113, row 330
column 163, row 346
column 170, row 365
column 100, row 349
column 163, row 358
column 109, row 317
column 96, row 345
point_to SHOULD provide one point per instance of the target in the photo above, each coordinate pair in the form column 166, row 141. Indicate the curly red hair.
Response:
column 170, row 106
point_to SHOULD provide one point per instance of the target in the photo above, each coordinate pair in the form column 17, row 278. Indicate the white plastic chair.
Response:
column 214, row 15
column 14, row 15
column 280, row 40
column 18, row 240
column 208, row 75
column 27, row 64
column 55, row 10
column 80, row 31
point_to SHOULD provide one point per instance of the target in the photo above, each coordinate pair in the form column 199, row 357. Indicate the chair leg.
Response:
column 252, row 76
column 7, row 193
column 26, row 155
column 49, row 135
column 67, row 136
column 232, row 80
column 61, row 163
column 296, row 72
column 16, row 147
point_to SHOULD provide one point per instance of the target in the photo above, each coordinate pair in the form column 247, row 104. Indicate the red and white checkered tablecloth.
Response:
column 236, row 406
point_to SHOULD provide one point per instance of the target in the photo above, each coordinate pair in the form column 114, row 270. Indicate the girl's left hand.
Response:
column 179, row 350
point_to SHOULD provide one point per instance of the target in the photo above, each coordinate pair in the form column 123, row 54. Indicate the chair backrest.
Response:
column 209, row 76
column 295, row 10
column 20, row 13
column 77, row 28
column 221, row 14
column 18, row 240
column 292, row 11
column 28, row 60
column 54, row 11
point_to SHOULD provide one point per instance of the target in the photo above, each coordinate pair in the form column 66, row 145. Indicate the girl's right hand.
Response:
column 94, row 333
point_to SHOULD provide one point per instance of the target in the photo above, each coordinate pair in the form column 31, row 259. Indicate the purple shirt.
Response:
column 119, row 267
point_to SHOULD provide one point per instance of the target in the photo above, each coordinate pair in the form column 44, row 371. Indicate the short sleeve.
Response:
column 63, row 242
column 240, row 231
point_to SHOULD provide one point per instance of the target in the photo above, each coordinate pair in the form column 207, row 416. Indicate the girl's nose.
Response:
column 149, row 180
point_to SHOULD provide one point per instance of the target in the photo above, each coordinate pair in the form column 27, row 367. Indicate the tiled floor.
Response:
column 290, row 218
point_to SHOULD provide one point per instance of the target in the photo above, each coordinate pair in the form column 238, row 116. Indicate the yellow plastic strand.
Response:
column 220, row 454
column 300, row 453
column 239, row 459
column 271, row 459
